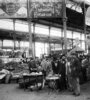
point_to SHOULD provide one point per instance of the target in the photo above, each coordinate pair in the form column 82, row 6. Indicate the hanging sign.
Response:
column 46, row 8
column 13, row 8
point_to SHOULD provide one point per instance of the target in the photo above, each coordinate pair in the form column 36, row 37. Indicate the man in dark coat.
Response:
column 62, row 72
column 75, row 70
column 55, row 66
column 32, row 65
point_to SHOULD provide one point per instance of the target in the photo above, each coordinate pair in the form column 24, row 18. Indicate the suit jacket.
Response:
column 75, row 68
column 55, row 68
column 62, row 68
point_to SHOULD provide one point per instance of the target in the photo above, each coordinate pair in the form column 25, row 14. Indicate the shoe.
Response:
column 71, row 90
column 77, row 94
column 73, row 93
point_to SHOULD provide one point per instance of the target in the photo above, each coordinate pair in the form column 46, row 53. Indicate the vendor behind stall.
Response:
column 62, row 72
column 55, row 65
column 32, row 65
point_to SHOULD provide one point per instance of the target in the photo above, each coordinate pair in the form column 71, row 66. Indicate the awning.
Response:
column 74, row 50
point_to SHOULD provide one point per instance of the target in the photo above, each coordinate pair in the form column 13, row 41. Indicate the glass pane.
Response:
column 55, row 32
column 21, row 44
column 6, row 24
column 80, row 45
column 39, row 49
column 58, row 47
column 16, row 44
column 76, row 35
column 8, row 43
column 46, row 48
column 83, row 45
column 69, row 34
column 41, row 29
column 24, row 44
column 52, row 46
column 83, row 37
column 22, row 26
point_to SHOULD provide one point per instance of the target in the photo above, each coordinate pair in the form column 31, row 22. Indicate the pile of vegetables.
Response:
column 16, row 67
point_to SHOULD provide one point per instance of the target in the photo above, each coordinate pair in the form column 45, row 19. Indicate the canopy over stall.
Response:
column 75, row 50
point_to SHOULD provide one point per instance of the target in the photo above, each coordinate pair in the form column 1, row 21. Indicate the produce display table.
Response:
column 15, row 78
column 32, row 79
column 53, row 81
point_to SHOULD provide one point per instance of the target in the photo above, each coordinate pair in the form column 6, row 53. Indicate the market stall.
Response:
column 76, row 49
column 31, row 79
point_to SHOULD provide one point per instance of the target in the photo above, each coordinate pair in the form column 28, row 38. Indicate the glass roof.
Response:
column 86, row 1
column 74, row 6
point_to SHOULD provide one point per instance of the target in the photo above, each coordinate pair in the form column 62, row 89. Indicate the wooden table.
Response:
column 33, row 79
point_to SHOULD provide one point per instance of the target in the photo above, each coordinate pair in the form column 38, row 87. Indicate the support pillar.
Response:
column 34, row 51
column 29, row 27
column 14, row 37
column 84, row 22
column 65, row 25
column 49, row 40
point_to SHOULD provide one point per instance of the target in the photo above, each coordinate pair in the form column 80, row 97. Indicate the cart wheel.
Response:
column 52, row 85
column 40, row 86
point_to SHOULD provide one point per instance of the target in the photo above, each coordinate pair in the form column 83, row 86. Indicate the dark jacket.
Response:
column 75, row 68
column 55, row 68
column 32, row 66
column 62, row 68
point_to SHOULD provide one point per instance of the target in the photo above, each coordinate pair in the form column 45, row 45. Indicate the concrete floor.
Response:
column 12, row 92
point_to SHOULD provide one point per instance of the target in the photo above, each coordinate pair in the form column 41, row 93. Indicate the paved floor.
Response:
column 12, row 92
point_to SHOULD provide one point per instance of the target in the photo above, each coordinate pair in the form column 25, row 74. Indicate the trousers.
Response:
column 76, row 86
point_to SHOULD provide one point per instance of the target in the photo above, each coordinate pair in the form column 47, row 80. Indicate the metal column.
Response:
column 14, row 36
column 34, row 49
column 84, row 18
column 65, row 24
column 29, row 27
column 49, row 41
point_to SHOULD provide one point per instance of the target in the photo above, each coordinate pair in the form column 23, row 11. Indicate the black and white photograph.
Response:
column 44, row 49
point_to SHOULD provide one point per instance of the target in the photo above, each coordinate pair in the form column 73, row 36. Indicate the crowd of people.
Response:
column 69, row 67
